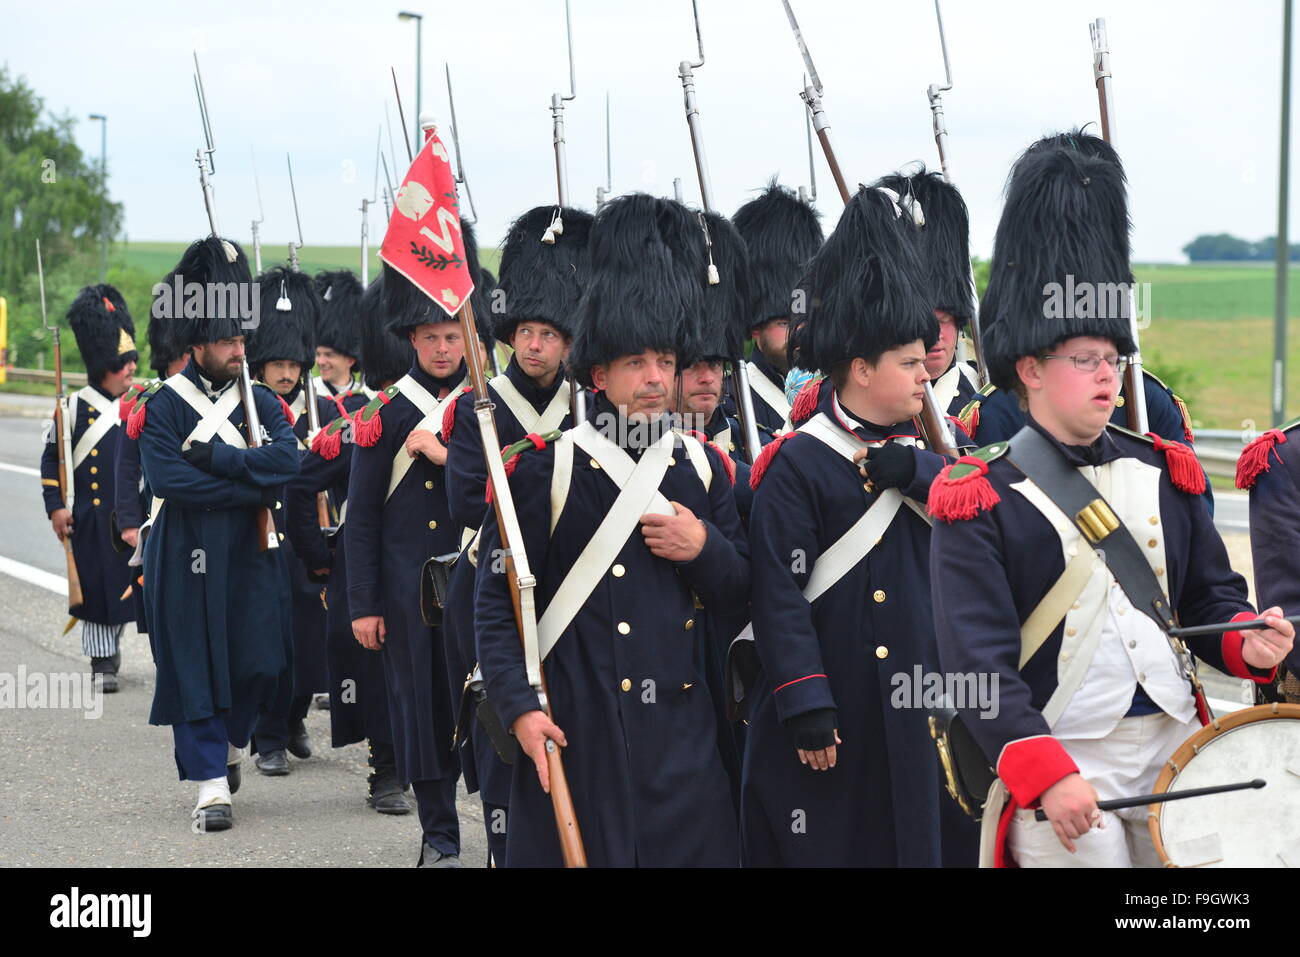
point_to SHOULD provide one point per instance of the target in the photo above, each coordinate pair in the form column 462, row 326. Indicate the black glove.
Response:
column 199, row 454
column 890, row 466
column 814, row 730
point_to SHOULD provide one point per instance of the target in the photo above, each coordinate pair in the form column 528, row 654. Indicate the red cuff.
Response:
column 1236, row 664
column 1030, row 766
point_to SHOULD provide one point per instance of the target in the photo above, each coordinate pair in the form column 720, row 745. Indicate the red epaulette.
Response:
column 328, row 442
column 962, row 490
column 1254, row 457
column 765, row 457
column 1184, row 469
column 135, row 422
column 288, row 412
column 449, row 415
column 367, row 426
column 727, row 464
column 127, row 403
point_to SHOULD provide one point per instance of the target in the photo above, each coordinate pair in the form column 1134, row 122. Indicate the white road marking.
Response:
column 20, row 469
column 34, row 576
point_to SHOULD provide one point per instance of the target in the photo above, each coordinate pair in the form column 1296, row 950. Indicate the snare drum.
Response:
column 1250, row 828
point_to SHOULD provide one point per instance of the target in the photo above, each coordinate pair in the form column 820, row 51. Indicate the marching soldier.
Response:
column 835, row 771
column 541, row 283
column 280, row 354
column 358, row 698
column 216, row 591
column 782, row 235
column 337, row 347
column 104, row 331
column 1269, row 468
column 398, row 518
column 1094, row 696
column 633, row 713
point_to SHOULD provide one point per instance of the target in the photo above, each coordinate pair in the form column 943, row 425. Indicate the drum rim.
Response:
column 1185, row 752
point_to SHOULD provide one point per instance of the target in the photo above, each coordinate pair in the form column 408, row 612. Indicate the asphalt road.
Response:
column 78, row 791
column 81, row 791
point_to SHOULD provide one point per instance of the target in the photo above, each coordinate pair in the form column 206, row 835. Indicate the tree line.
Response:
column 1223, row 247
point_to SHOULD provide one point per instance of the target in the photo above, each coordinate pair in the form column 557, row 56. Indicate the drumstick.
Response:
column 1166, row 796
column 1193, row 631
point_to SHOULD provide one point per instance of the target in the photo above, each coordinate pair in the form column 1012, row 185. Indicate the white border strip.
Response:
column 20, row 469
column 34, row 576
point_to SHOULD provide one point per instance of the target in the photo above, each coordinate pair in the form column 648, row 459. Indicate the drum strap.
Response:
column 1042, row 463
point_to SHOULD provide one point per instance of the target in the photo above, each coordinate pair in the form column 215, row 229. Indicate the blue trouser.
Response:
column 200, row 746
column 435, row 802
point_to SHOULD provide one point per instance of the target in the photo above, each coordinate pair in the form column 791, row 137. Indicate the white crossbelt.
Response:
column 855, row 544
column 639, row 495
column 214, row 421
column 769, row 393
column 108, row 419
column 528, row 417
column 432, row 410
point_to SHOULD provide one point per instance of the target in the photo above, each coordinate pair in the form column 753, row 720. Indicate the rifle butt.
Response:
column 566, row 818
column 75, row 597
column 322, row 510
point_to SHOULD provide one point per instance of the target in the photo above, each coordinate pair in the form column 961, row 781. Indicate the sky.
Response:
column 1196, row 88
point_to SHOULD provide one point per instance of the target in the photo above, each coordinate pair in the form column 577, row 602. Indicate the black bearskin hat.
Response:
column 287, row 327
column 866, row 288
column 782, row 235
column 542, row 281
column 944, row 240
column 1060, row 264
column 226, row 288
column 722, row 324
column 384, row 358
column 643, row 291
column 340, row 299
column 104, row 330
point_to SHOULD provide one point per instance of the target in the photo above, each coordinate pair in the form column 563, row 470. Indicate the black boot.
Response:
column 387, row 796
column 299, row 741
column 107, row 668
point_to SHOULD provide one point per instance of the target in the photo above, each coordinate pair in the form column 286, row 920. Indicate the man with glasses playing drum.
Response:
column 1088, row 543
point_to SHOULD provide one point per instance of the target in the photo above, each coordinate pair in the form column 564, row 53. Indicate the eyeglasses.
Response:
column 1090, row 361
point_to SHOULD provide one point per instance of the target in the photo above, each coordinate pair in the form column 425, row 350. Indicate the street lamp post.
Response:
column 103, row 194
column 419, row 27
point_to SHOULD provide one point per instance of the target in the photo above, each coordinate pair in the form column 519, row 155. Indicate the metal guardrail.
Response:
column 46, row 376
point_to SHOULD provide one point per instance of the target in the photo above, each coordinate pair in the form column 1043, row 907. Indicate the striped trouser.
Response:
column 100, row 641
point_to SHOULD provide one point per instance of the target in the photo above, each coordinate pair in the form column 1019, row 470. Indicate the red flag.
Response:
column 424, row 241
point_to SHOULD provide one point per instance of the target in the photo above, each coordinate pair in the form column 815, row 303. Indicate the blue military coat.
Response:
column 218, row 606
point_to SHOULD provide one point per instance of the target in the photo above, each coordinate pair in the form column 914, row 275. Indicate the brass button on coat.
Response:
column 627, row 684
column 882, row 651
column 595, row 465
column 433, row 525
column 281, row 534
column 428, row 483
column 624, row 628
column 618, row 571
column 94, row 485
column 690, row 623
column 1152, row 543
column 879, row 596
column 94, row 469
column 94, row 501
column 94, row 451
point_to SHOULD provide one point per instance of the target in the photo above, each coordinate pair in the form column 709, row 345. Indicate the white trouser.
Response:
column 1124, row 763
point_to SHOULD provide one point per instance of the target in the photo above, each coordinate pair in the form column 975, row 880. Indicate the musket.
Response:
column 602, row 192
column 577, row 398
column 366, row 203
column 740, row 380
column 266, row 537
column 388, row 193
column 931, row 423
column 261, row 216
column 809, row 195
column 462, row 183
column 63, row 443
column 677, row 190
column 1135, row 392
column 519, row 576
column 459, row 178
column 307, row 380
column 935, row 94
